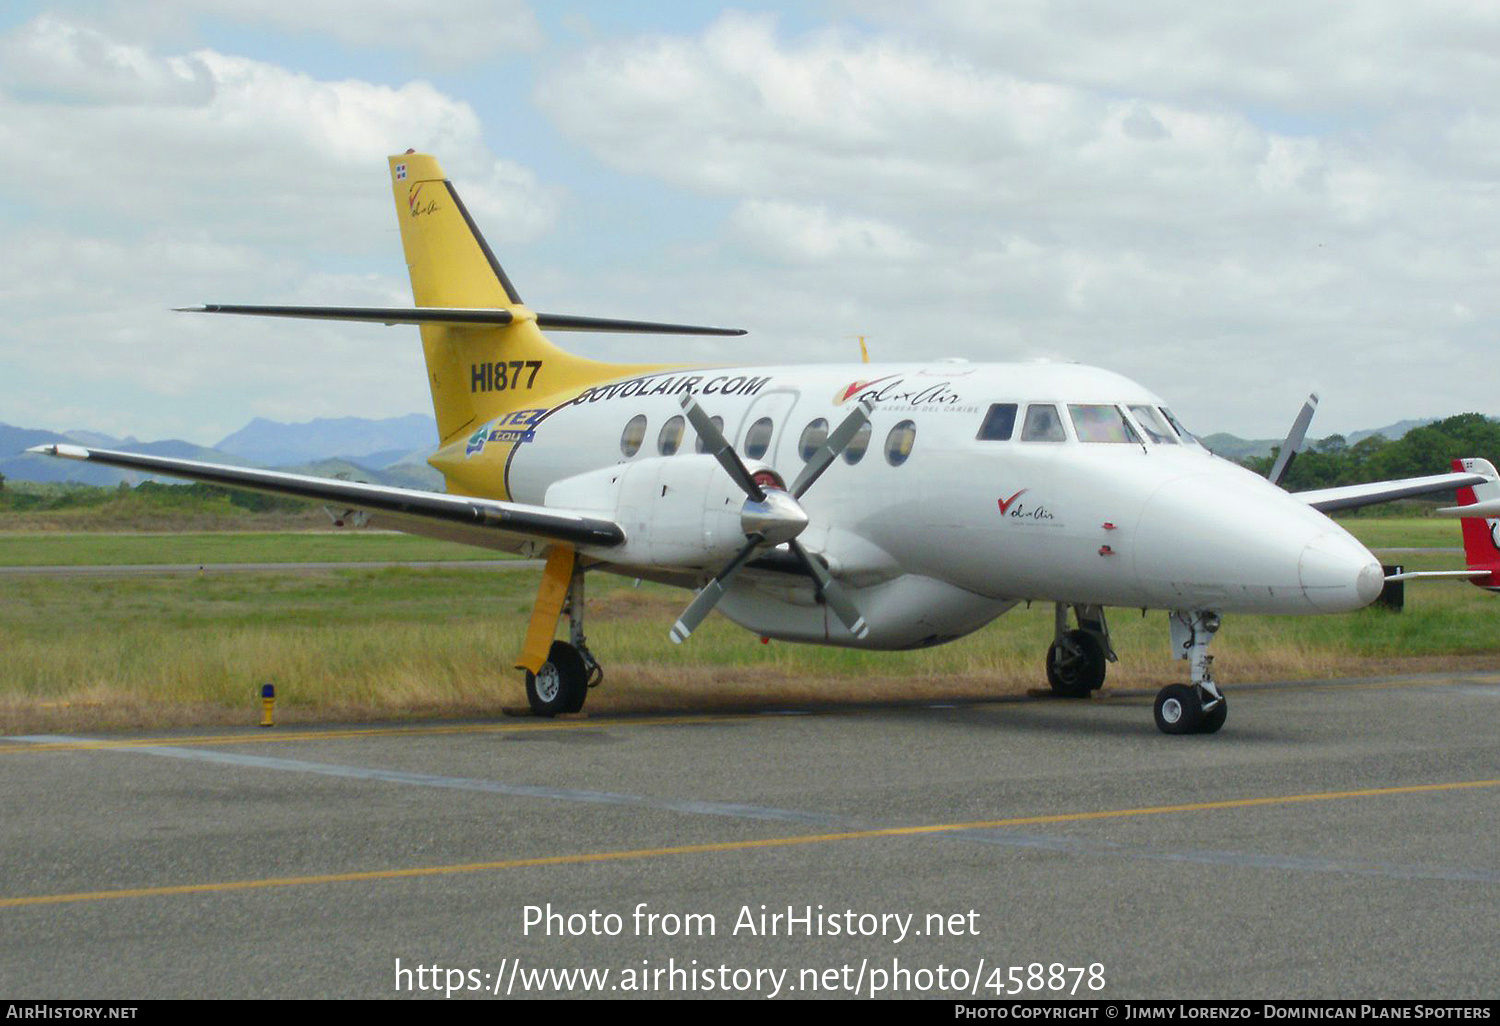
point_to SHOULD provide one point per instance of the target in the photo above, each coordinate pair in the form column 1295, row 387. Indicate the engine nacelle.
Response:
column 677, row 511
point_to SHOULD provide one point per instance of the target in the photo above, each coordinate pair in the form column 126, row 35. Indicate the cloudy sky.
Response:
column 1233, row 204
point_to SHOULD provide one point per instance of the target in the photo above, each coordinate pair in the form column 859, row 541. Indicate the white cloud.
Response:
column 452, row 33
column 1118, row 209
column 161, row 180
column 795, row 232
column 254, row 146
column 50, row 59
column 1282, row 55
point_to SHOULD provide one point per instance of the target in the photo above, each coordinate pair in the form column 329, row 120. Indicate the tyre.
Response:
column 561, row 685
column 1213, row 718
column 1075, row 665
column 1178, row 709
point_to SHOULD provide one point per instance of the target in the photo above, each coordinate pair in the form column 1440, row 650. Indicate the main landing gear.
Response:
column 1077, row 658
column 559, row 680
column 1199, row 707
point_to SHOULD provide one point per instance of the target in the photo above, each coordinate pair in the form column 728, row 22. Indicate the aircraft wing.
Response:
column 1329, row 500
column 487, row 522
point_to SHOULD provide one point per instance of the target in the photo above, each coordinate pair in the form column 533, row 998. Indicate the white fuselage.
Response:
column 964, row 527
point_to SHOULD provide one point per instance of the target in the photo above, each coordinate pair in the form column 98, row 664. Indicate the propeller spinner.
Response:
column 772, row 516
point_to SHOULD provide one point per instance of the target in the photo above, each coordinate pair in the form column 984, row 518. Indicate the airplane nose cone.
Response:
column 1338, row 574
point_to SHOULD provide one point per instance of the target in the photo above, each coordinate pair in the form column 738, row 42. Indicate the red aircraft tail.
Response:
column 1481, row 533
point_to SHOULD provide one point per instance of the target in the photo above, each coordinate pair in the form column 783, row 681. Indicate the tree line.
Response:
column 1331, row 461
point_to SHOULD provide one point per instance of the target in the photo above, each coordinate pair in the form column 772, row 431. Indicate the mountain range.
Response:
column 392, row 451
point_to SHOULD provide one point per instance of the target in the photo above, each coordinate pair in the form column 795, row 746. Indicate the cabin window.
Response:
column 700, row 445
column 1099, row 422
column 670, row 438
column 813, row 437
column 1042, row 424
column 998, row 424
column 1152, row 423
column 898, row 443
column 633, row 435
column 758, row 438
column 855, row 450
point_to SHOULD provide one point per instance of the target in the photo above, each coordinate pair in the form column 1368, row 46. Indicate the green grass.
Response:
column 1404, row 532
column 38, row 548
column 362, row 643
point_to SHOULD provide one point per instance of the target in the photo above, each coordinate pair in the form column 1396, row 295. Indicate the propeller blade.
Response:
column 832, row 448
column 704, row 602
column 832, row 592
column 1293, row 440
column 715, row 442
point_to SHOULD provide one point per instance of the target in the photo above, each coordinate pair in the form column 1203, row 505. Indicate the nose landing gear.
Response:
column 1199, row 707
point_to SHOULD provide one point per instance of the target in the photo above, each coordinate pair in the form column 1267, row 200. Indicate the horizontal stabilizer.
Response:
column 1478, row 509
column 459, row 315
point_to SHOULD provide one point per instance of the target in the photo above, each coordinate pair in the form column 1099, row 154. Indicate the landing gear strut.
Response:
column 561, row 682
column 1199, row 707
column 1076, row 659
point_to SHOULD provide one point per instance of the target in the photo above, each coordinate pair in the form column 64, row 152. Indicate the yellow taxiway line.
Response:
column 729, row 846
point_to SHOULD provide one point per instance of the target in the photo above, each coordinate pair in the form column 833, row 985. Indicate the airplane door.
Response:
column 776, row 405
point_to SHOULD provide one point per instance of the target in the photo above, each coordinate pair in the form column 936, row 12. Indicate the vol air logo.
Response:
column 416, row 204
column 1013, row 509
column 1005, row 504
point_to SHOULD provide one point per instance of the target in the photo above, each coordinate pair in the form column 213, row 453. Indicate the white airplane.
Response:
column 888, row 506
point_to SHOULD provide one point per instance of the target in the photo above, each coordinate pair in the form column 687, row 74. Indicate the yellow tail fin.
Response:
column 476, row 373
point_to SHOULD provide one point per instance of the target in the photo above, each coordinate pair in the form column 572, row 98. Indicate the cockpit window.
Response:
column 1152, row 423
column 1097, row 422
column 1043, row 424
column 998, row 424
column 1182, row 432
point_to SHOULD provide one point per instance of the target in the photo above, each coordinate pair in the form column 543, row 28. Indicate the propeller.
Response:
column 772, row 517
column 1293, row 440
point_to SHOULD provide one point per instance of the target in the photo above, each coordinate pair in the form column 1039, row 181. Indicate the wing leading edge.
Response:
column 1331, row 500
column 477, row 518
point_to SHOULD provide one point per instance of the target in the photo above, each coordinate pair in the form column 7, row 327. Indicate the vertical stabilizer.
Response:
column 1481, row 533
column 476, row 373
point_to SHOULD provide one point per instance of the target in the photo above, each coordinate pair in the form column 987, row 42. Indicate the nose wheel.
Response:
column 1183, row 709
column 1199, row 707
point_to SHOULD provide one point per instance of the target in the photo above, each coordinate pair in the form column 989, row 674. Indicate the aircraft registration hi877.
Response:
column 879, row 506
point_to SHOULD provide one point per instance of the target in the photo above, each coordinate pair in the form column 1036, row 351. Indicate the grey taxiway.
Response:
column 1337, row 839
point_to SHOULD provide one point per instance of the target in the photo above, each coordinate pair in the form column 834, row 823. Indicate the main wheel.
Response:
column 1213, row 718
column 1075, row 665
column 562, row 683
column 1178, row 709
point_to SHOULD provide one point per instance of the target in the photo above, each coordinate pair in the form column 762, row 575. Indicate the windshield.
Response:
column 1182, row 432
column 1155, row 426
column 1097, row 422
